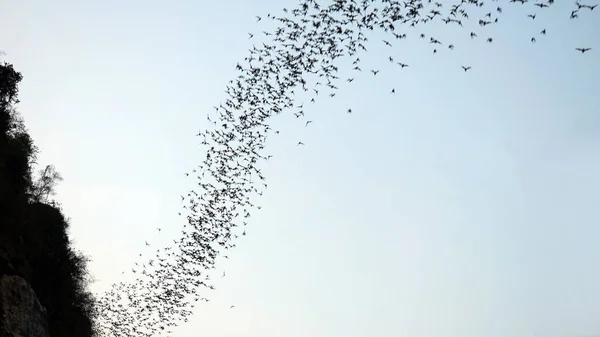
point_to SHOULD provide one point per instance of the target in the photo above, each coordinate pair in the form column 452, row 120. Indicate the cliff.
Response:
column 43, row 279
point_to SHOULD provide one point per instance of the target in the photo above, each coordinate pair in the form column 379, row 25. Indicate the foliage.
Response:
column 34, row 233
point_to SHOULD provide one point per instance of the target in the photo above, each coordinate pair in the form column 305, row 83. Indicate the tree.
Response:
column 43, row 187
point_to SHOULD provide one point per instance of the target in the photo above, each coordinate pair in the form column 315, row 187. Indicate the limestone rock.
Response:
column 21, row 314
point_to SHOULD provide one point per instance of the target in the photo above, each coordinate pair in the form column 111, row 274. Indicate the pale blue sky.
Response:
column 465, row 205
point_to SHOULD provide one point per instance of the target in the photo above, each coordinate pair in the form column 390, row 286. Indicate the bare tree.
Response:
column 43, row 186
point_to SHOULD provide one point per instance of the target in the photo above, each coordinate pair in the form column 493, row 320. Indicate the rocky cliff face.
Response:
column 21, row 314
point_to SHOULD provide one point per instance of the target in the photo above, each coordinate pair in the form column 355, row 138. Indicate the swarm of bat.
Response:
column 306, row 43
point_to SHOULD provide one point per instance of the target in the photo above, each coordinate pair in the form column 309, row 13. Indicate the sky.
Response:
column 463, row 205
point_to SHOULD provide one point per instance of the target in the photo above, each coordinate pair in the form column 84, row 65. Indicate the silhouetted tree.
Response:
column 43, row 187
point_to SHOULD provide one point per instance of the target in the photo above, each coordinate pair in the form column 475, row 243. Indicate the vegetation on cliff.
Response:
column 34, row 241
